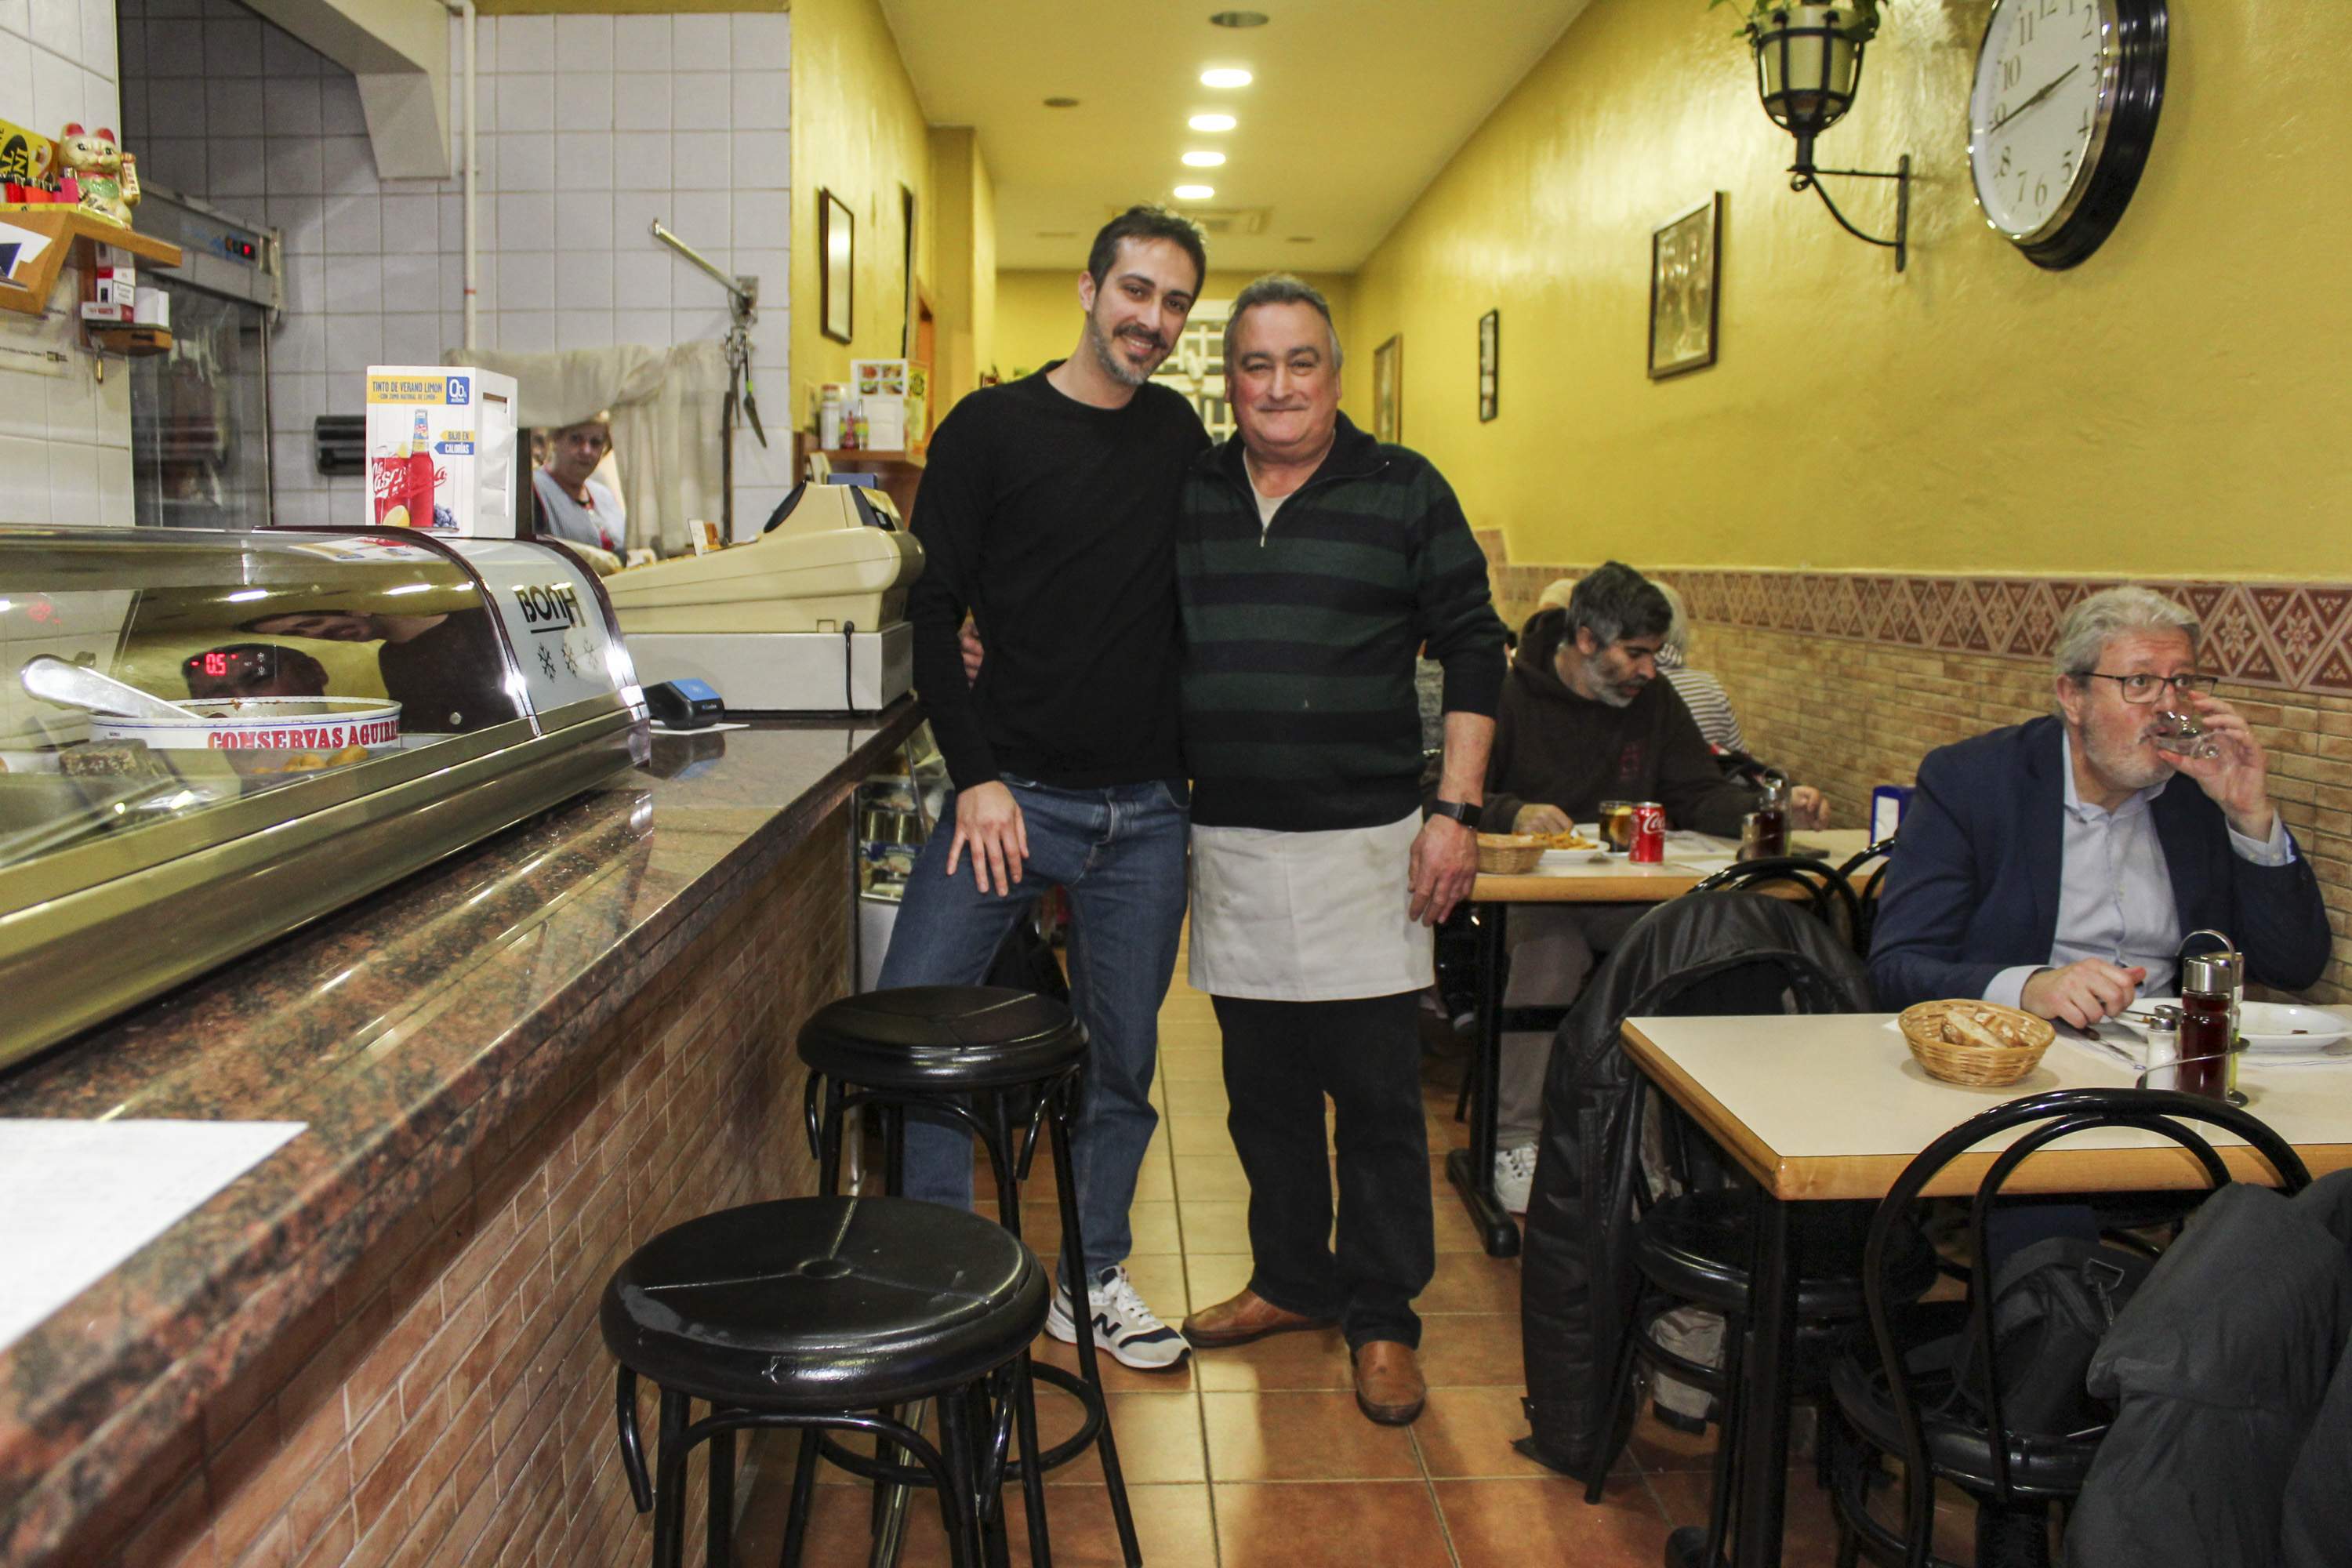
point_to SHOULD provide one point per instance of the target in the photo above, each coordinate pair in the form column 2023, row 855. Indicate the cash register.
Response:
column 809, row 617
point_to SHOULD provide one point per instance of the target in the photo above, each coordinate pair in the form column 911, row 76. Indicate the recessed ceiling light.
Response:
column 1238, row 19
column 1210, row 122
column 1061, row 103
column 1225, row 76
column 1203, row 160
column 1194, row 192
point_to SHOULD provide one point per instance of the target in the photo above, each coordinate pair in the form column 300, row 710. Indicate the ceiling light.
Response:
column 1238, row 19
column 1225, row 76
column 1203, row 160
column 1210, row 122
column 1194, row 192
column 1061, row 103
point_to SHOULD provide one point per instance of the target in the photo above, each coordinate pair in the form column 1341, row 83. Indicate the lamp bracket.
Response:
column 1803, row 176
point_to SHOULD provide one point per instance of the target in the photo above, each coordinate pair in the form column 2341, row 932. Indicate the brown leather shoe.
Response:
column 1389, row 1388
column 1248, row 1316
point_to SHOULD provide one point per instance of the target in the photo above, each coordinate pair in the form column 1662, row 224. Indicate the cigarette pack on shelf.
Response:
column 114, row 288
column 441, row 451
column 895, row 395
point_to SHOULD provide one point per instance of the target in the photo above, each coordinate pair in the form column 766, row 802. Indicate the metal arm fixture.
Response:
column 1808, row 68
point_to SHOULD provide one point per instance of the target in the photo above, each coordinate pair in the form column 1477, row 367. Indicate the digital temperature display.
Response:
column 250, row 665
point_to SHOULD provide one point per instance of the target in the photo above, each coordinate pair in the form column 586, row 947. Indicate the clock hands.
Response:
column 1994, row 128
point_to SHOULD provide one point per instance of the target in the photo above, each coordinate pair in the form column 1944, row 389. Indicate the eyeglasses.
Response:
column 2144, row 688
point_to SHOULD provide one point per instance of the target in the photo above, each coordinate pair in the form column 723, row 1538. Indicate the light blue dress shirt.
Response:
column 2114, row 891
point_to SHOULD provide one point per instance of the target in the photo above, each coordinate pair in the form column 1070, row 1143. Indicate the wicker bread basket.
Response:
column 1511, row 853
column 1979, row 1066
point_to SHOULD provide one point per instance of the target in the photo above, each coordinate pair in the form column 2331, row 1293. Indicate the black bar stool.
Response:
column 826, row 1314
column 992, row 1059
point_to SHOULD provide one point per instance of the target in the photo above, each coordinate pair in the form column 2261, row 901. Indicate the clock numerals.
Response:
column 2004, row 170
column 2025, row 25
column 2089, row 23
column 2011, row 69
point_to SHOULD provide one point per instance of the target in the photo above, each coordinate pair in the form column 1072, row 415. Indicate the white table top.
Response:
column 1833, row 1107
column 1595, row 876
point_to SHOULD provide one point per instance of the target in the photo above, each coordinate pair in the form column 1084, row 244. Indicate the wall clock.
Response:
column 2061, row 119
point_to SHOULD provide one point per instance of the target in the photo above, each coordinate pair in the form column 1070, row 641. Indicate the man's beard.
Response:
column 1115, row 365
column 2126, row 766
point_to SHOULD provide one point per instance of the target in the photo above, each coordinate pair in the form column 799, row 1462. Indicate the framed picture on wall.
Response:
column 1490, row 332
column 836, row 251
column 1685, row 265
column 1388, row 390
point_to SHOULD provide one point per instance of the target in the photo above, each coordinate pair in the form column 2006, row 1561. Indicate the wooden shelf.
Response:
column 850, row 457
column 129, row 339
column 70, row 232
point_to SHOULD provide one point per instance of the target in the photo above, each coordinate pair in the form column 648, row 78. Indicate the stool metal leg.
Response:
column 1032, row 1474
column 1073, row 1266
column 804, row 1494
column 669, row 1484
column 957, row 1490
column 719, row 1526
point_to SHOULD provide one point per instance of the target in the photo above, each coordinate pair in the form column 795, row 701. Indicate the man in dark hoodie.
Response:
column 1585, row 719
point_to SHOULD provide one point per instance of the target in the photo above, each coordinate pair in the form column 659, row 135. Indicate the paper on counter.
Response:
column 82, row 1197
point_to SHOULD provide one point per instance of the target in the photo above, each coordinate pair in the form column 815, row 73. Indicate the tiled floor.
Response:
column 1257, row 1457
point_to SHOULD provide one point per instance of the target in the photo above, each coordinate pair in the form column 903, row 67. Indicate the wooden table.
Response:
column 1569, row 877
column 1762, row 1089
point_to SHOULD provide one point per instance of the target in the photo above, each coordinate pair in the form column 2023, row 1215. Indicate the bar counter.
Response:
column 380, row 1344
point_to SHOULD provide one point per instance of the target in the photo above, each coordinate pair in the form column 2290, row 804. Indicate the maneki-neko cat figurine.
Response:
column 106, row 176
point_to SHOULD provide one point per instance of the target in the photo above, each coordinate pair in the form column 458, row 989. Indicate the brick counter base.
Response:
column 451, row 1401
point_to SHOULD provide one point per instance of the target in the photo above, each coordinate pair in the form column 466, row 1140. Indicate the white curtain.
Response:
column 668, row 423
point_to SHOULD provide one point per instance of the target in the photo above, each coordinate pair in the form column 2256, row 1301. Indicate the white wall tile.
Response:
column 355, row 283
column 16, row 17
column 17, row 79
column 583, row 44
column 584, row 222
column 701, row 161
column 526, row 102
column 583, row 279
column 700, row 100
column 764, row 160
column 763, row 220
column 354, row 227
column 526, row 42
column 290, row 107
column 178, row 161
column 98, row 49
column 763, row 41
column 347, row 165
column 413, row 339
column 701, row 42
column 233, row 106
column 176, row 107
column 642, row 280
column 339, row 107
column 300, row 344
column 234, row 166
column 525, row 162
column 24, row 480
column 59, row 98
column 641, row 161
column 526, row 331
column 526, row 281
column 641, row 327
column 641, row 44
column 284, row 56
column 584, row 102
column 763, row 100
column 56, row 27
column 305, row 280
column 412, row 283
column 353, row 343
column 584, row 161
column 73, row 483
column 116, row 508
column 174, row 48
column 232, row 48
column 132, row 59
column 641, row 102
column 583, row 329
column 526, row 221
column 293, row 168
column 412, row 225
column 703, row 220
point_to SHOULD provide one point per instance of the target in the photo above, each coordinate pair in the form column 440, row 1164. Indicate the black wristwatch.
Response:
column 1468, row 816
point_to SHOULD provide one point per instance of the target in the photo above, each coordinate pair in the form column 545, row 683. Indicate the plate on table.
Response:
column 2278, row 1026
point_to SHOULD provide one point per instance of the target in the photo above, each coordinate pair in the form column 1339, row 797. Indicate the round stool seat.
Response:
column 941, row 1037
column 830, row 1304
column 1695, row 1247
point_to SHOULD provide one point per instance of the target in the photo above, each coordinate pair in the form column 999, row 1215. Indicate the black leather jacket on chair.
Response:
column 1728, row 953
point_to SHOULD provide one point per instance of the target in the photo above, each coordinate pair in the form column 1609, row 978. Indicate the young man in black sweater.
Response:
column 1048, row 513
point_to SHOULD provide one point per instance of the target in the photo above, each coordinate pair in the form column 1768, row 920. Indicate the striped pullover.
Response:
column 1299, row 711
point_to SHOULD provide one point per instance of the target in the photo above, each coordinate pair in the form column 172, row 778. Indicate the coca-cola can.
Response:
column 1649, row 834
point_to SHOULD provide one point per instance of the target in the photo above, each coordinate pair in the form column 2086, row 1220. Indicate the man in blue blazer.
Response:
column 2056, row 865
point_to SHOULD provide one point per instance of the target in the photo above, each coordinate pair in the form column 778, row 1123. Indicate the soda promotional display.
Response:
column 441, row 451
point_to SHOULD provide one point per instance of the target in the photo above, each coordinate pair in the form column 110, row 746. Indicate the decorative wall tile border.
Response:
column 2289, row 637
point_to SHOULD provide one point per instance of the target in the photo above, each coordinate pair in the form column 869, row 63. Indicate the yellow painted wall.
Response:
column 858, row 130
column 1037, row 316
column 2176, row 405
column 963, row 273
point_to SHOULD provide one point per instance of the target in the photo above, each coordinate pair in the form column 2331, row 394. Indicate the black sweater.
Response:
column 1054, row 523
column 1299, row 708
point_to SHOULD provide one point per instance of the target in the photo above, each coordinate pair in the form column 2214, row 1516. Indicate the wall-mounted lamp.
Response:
column 1808, row 65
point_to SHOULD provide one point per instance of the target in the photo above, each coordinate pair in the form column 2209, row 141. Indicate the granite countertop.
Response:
column 402, row 1030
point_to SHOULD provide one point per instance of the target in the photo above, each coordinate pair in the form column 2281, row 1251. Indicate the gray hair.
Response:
column 1280, row 288
column 1678, row 627
column 2083, row 637
column 1616, row 602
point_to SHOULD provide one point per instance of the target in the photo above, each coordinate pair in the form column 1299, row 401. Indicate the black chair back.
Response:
column 1827, row 892
column 1866, row 893
column 2050, row 1117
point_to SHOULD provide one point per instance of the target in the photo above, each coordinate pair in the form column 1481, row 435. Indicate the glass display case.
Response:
column 208, row 738
column 893, row 818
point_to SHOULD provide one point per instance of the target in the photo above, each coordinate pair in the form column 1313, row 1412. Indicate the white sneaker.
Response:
column 1123, row 1325
column 1515, row 1174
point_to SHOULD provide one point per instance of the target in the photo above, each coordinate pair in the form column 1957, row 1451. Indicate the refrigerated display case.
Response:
column 208, row 738
column 895, row 813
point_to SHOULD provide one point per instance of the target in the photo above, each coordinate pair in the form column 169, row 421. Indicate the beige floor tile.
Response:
column 1313, row 1359
column 1513, row 1523
column 1328, row 1525
column 1215, row 1177
column 1302, row 1437
column 1158, row 1436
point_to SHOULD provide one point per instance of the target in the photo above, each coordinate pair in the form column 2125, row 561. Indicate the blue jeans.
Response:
column 1120, row 854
